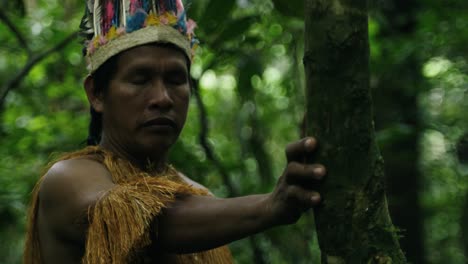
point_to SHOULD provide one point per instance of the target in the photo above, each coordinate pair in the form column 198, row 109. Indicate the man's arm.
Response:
column 197, row 222
column 189, row 224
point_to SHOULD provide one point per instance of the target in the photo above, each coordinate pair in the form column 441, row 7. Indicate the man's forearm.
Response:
column 198, row 223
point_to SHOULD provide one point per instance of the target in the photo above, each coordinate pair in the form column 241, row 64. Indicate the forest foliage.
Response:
column 248, row 103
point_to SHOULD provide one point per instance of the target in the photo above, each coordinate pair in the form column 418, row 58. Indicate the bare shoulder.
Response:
column 68, row 189
column 193, row 183
column 74, row 178
column 66, row 192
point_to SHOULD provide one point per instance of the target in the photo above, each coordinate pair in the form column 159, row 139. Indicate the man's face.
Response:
column 145, row 106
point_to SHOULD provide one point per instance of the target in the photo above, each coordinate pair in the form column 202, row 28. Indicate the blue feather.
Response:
column 136, row 21
column 115, row 20
column 146, row 5
column 181, row 23
column 171, row 5
column 193, row 42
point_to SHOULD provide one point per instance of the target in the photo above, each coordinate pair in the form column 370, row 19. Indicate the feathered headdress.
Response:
column 113, row 26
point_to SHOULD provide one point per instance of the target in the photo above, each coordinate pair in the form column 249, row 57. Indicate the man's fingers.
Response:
column 302, row 198
column 304, row 174
column 298, row 150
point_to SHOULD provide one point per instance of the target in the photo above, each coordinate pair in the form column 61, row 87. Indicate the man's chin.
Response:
column 156, row 147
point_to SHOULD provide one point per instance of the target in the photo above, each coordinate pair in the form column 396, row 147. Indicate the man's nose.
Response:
column 159, row 96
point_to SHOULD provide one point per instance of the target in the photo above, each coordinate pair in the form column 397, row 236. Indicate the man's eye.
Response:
column 177, row 78
column 140, row 80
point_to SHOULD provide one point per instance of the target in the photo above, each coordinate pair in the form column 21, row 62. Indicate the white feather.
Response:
column 90, row 4
column 125, row 9
column 153, row 7
column 97, row 18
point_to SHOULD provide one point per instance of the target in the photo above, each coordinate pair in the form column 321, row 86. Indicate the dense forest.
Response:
column 248, row 103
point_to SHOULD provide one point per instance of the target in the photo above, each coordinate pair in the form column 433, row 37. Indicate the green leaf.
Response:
column 216, row 14
column 235, row 29
column 249, row 65
column 14, row 6
column 290, row 8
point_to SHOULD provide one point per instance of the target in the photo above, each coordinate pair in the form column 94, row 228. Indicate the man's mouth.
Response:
column 160, row 124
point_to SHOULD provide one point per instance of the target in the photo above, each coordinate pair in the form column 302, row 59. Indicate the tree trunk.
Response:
column 464, row 227
column 462, row 154
column 397, row 83
column 353, row 223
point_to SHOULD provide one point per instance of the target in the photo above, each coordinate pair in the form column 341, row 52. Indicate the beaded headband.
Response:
column 113, row 26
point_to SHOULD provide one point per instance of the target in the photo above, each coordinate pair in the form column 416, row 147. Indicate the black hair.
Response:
column 101, row 78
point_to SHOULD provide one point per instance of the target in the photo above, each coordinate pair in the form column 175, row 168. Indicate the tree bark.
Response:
column 353, row 223
column 397, row 83
column 462, row 154
column 464, row 226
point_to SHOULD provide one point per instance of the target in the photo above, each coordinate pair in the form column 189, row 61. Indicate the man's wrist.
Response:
column 267, row 217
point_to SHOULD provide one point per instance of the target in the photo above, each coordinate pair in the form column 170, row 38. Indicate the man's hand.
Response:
column 295, row 192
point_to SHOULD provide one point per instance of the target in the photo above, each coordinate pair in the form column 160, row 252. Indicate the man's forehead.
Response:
column 153, row 54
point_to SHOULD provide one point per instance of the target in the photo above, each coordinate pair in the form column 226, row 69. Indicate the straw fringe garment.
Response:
column 121, row 224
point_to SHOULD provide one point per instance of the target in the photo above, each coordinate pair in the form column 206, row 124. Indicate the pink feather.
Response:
column 180, row 6
column 108, row 16
column 191, row 25
column 109, row 12
column 102, row 40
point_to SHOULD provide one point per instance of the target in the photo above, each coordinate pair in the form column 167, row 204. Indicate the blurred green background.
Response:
column 249, row 104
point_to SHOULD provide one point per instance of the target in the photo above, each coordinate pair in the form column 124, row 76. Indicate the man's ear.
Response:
column 94, row 97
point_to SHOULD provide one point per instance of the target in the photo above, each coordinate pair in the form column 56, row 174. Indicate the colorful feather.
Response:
column 181, row 23
column 170, row 5
column 125, row 6
column 134, row 6
column 174, row 5
column 112, row 34
column 109, row 10
column 162, row 6
column 109, row 16
column 90, row 5
column 106, row 20
column 87, row 25
column 191, row 25
column 180, row 6
column 152, row 7
column 136, row 21
column 152, row 20
column 116, row 18
column 97, row 17
column 145, row 6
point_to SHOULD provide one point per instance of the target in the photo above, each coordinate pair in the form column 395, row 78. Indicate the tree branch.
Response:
column 258, row 253
column 22, row 41
column 14, row 82
column 203, row 138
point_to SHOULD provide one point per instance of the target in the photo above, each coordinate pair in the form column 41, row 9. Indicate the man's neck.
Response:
column 147, row 163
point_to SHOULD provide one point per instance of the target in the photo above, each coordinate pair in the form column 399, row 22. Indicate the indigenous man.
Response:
column 118, row 201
